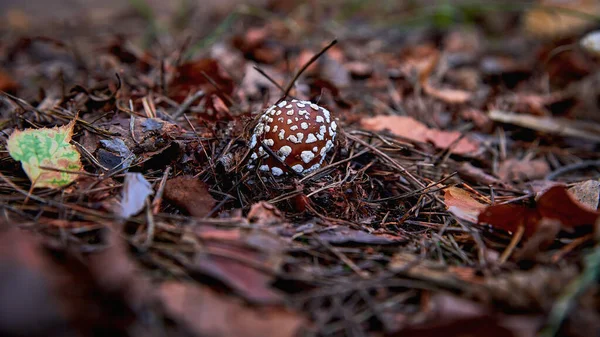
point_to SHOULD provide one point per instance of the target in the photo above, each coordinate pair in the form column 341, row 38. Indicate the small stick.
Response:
column 306, row 65
column 262, row 72
column 513, row 243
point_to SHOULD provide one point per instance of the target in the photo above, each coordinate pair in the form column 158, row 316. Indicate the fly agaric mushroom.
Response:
column 299, row 133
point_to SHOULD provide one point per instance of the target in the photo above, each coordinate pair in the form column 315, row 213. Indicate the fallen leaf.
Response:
column 264, row 214
column 450, row 96
column 7, row 83
column 555, row 19
column 587, row 193
column 204, row 74
column 245, row 261
column 461, row 204
column 452, row 316
column 359, row 70
column 414, row 130
column 556, row 203
column 207, row 313
column 523, row 170
column 133, row 196
column 37, row 148
column 191, row 194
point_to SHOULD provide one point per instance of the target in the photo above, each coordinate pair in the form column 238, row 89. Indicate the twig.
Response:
column 306, row 65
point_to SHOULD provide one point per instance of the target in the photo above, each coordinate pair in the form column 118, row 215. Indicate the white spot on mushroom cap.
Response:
column 307, row 156
column 290, row 112
column 294, row 127
column 269, row 142
column 333, row 126
column 320, row 119
column 282, row 104
column 264, row 168
column 315, row 149
column 281, row 134
column 278, row 112
column 311, row 138
column 298, row 168
column 289, row 106
column 293, row 139
column 300, row 136
column 252, row 141
column 301, row 105
column 289, row 121
column 314, row 167
column 285, row 150
column 254, row 155
column 258, row 130
column 326, row 114
column 322, row 129
column 275, row 128
column 328, row 145
column 314, row 106
column 267, row 128
column 276, row 171
column 304, row 125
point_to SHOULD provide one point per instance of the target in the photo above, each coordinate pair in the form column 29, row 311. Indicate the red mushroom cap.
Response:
column 299, row 132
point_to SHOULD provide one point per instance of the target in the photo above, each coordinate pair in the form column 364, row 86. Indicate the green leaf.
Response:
column 38, row 149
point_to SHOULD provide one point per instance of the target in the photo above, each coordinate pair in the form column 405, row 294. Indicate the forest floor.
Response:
column 460, row 198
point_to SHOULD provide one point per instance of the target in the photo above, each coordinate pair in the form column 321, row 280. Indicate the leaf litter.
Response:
column 461, row 197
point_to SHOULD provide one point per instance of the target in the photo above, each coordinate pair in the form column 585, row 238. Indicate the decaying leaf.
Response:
column 38, row 149
column 133, row 196
column 206, row 313
column 559, row 18
column 190, row 193
column 460, row 203
column 448, row 95
column 414, row 130
column 265, row 214
column 244, row 261
column 556, row 203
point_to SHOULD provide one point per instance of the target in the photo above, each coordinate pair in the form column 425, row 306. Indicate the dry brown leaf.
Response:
column 7, row 83
column 450, row 96
column 190, row 193
column 245, row 261
column 462, row 205
column 264, row 214
column 408, row 127
column 559, row 18
column 207, row 313
column 556, row 203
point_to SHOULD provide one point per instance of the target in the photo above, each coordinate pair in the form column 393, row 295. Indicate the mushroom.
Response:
column 298, row 132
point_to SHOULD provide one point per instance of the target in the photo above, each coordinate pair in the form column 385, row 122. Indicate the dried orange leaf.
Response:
column 414, row 130
column 461, row 204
